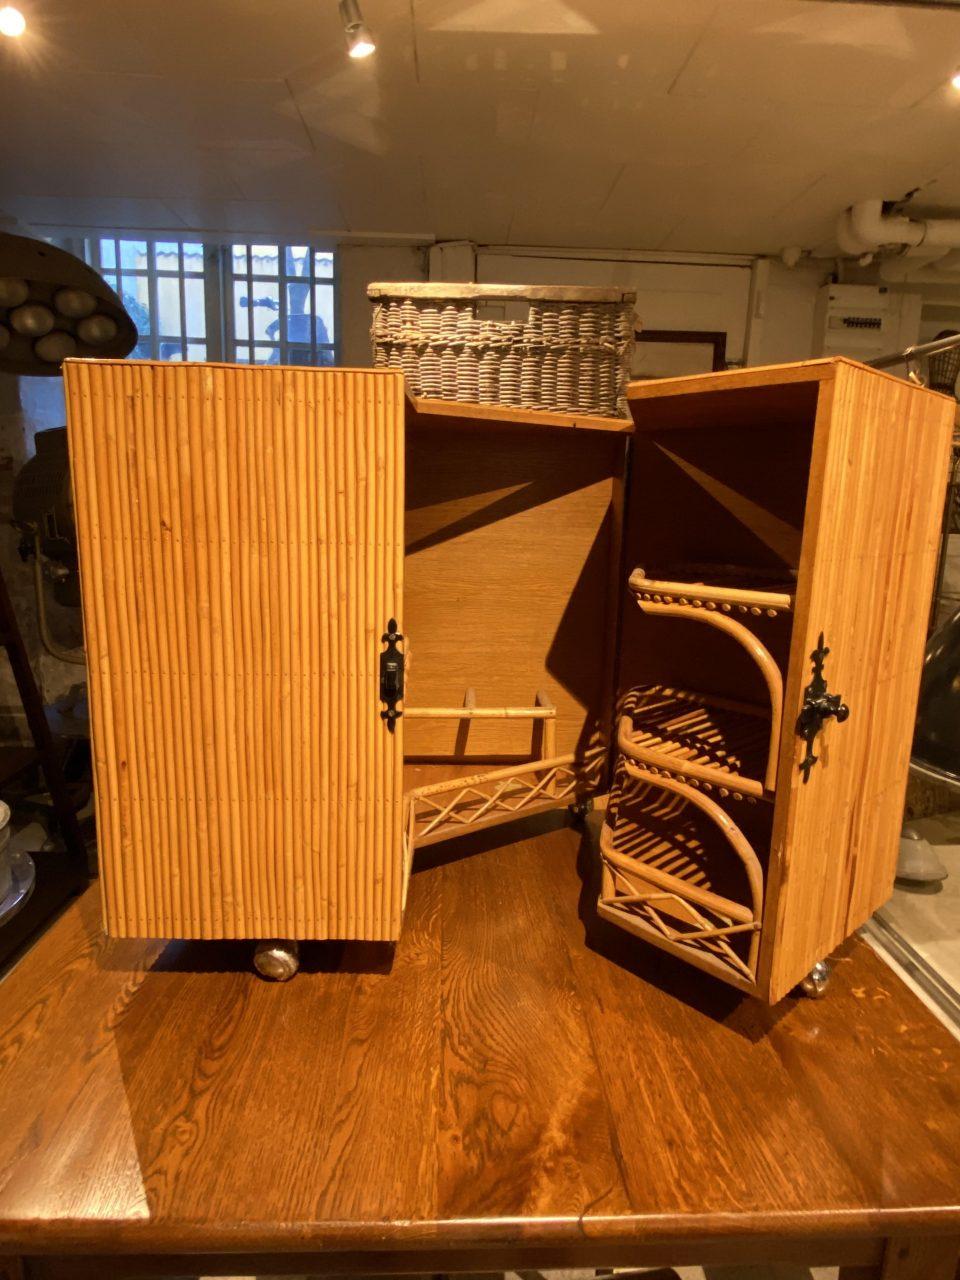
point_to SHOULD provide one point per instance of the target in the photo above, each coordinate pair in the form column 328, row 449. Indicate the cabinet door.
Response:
column 240, row 535
column 870, row 537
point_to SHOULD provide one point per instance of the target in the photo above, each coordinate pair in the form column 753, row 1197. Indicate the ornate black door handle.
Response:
column 818, row 705
column 391, row 674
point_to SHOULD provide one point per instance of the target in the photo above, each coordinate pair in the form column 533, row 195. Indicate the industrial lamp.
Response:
column 360, row 41
column 52, row 305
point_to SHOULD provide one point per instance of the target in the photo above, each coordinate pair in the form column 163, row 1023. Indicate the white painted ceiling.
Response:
column 741, row 126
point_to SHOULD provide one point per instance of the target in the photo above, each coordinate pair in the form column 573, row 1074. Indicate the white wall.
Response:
column 678, row 293
column 357, row 266
column 785, row 325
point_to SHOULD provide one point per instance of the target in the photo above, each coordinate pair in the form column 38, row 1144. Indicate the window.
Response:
column 282, row 304
column 259, row 303
column 162, row 285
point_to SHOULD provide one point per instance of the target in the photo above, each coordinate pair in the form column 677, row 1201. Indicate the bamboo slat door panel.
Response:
column 241, row 542
column 875, row 499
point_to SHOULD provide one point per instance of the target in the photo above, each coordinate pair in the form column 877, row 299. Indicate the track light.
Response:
column 360, row 42
column 12, row 22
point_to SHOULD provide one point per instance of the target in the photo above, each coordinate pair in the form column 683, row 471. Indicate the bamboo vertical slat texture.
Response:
column 241, row 542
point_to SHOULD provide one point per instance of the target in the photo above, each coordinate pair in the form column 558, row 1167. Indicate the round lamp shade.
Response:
column 52, row 305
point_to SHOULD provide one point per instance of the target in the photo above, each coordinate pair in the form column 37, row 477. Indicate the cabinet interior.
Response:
column 714, row 524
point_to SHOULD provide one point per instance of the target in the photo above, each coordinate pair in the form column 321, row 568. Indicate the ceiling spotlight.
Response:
column 360, row 42
column 12, row 22
column 955, row 80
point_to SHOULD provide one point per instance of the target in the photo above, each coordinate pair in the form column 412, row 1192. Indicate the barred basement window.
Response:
column 282, row 310
column 162, row 285
column 254, row 303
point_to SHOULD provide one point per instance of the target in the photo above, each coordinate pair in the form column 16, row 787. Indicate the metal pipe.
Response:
column 919, row 352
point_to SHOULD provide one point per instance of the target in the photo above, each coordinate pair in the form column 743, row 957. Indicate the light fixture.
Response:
column 955, row 80
column 52, row 305
column 12, row 22
column 360, row 42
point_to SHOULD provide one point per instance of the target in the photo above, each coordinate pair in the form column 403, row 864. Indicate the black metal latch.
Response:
column 818, row 705
column 391, row 674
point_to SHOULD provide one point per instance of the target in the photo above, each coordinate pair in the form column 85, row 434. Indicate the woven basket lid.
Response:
column 444, row 292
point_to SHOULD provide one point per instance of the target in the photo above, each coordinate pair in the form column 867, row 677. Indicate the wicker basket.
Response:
column 566, row 348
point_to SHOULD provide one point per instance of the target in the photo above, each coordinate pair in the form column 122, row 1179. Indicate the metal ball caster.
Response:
column 580, row 809
column 817, row 980
column 276, row 960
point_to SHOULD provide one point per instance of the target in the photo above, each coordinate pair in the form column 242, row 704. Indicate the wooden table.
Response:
column 506, row 1094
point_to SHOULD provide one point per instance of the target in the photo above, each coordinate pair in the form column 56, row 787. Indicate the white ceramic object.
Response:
column 6, row 870
column 917, row 861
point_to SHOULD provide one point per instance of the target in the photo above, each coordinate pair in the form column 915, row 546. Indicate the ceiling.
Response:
column 694, row 125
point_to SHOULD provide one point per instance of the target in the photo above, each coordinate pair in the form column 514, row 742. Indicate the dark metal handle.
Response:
column 818, row 705
column 391, row 674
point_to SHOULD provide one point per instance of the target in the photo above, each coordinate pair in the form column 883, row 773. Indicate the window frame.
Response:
column 230, row 277
column 218, row 281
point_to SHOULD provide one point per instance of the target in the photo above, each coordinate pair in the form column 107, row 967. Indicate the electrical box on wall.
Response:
column 864, row 321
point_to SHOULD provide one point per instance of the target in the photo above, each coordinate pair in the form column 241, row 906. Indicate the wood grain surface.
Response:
column 512, row 547
column 515, row 1080
column 240, row 536
column 459, row 414
column 871, row 532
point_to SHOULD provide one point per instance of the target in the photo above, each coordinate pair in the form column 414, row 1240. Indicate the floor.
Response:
column 928, row 916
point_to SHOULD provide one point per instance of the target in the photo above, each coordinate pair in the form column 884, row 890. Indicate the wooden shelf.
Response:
column 713, row 742
column 466, row 414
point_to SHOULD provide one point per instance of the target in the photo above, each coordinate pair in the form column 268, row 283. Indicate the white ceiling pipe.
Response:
column 945, row 231
column 870, row 225
column 865, row 228
column 848, row 241
column 904, row 271
column 915, row 263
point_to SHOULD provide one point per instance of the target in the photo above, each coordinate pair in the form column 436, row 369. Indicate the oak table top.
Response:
column 517, row 1083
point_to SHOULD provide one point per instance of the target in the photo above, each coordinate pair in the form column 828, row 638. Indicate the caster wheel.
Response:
column 275, row 960
column 817, row 980
column 579, row 811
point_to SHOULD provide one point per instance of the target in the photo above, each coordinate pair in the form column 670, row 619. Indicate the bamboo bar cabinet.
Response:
column 296, row 580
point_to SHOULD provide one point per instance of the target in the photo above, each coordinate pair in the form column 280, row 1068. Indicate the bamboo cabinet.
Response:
column 295, row 581
column 241, row 543
column 782, row 531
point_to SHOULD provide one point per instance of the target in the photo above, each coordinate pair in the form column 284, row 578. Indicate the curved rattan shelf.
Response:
column 719, row 615
column 657, row 886
column 710, row 742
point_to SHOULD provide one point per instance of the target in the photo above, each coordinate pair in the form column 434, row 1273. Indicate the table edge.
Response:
column 168, row 1236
